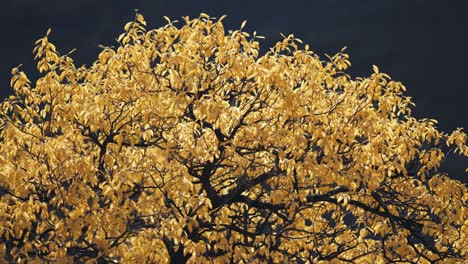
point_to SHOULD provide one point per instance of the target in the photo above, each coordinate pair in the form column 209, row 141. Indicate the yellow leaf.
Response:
column 243, row 24
column 141, row 19
column 375, row 68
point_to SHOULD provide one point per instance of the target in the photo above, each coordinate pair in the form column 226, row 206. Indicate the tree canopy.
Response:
column 186, row 144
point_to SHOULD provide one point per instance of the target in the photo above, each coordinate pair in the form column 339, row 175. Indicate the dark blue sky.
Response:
column 421, row 43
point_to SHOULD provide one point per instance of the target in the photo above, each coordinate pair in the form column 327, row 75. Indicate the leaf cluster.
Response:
column 183, row 144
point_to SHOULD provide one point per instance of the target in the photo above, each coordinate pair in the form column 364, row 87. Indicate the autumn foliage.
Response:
column 184, row 144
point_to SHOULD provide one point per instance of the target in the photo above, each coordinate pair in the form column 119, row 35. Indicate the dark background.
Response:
column 421, row 43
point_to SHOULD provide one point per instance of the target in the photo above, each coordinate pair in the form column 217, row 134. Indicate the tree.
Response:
column 186, row 145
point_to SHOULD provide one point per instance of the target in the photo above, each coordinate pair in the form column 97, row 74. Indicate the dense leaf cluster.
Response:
column 183, row 144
